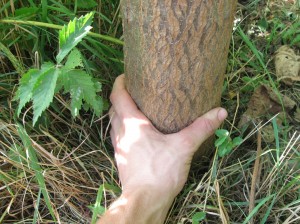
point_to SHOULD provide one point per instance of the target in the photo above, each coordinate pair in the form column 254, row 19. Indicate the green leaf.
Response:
column 247, row 79
column 220, row 141
column 26, row 11
column 33, row 164
column 43, row 91
column 237, row 141
column 98, row 86
column 257, row 207
column 222, row 133
column 74, row 60
column 295, row 40
column 263, row 23
column 17, row 154
column 72, row 34
column 197, row 217
column 98, row 209
column 225, row 149
column 24, row 92
column 86, row 4
column 81, row 87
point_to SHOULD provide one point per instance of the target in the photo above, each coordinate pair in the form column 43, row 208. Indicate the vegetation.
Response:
column 56, row 159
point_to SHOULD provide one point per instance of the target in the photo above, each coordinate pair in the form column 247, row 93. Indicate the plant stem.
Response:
column 53, row 26
column 255, row 176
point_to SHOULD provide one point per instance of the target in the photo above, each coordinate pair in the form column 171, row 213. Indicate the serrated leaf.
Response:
column 81, row 87
column 222, row 133
column 28, row 83
column 86, row 106
column 106, row 104
column 237, row 141
column 98, row 105
column 24, row 92
column 74, row 60
column 98, row 86
column 72, row 34
column 43, row 92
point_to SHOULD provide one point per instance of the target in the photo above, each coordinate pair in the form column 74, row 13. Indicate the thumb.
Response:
column 203, row 127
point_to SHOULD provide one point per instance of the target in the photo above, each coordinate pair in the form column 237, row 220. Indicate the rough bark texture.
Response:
column 175, row 57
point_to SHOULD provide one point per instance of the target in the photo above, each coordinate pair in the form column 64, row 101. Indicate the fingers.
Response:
column 120, row 98
column 114, row 119
column 123, row 105
column 113, row 138
column 203, row 127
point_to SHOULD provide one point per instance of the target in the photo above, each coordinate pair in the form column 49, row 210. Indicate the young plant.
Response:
column 40, row 85
column 197, row 217
column 224, row 143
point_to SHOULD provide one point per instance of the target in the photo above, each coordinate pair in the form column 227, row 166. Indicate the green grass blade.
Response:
column 44, row 4
column 276, row 136
column 15, row 62
column 62, row 10
column 54, row 26
column 262, row 63
column 252, row 47
column 36, row 210
column 98, row 209
column 4, row 7
column 33, row 163
column 257, row 207
column 263, row 221
column 62, row 7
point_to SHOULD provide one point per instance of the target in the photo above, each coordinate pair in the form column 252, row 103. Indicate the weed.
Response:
column 40, row 85
column 224, row 143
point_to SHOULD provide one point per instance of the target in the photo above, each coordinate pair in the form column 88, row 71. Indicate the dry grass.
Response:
column 73, row 167
column 227, row 192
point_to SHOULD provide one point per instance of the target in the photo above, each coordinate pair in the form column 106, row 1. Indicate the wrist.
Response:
column 150, row 204
column 149, row 192
column 140, row 205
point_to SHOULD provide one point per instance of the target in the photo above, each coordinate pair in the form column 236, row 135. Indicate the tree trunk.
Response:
column 175, row 57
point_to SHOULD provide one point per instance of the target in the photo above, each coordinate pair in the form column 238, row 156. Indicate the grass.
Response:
column 62, row 169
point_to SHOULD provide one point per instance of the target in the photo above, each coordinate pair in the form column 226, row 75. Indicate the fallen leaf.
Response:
column 287, row 65
column 297, row 115
column 267, row 133
column 264, row 102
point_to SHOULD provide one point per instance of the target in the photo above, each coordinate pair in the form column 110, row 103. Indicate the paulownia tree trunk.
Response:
column 175, row 57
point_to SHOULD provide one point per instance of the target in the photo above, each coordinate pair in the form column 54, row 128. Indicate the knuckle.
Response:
column 112, row 97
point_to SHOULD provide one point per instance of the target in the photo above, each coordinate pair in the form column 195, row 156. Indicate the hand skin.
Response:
column 153, row 167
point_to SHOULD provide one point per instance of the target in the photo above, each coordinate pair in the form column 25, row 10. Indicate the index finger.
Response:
column 120, row 98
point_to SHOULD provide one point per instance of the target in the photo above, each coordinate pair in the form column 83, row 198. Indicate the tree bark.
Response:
column 175, row 57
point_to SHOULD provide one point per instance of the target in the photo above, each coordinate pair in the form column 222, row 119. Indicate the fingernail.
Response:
column 222, row 114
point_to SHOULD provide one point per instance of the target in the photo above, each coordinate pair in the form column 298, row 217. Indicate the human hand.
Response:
column 147, row 158
column 153, row 167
